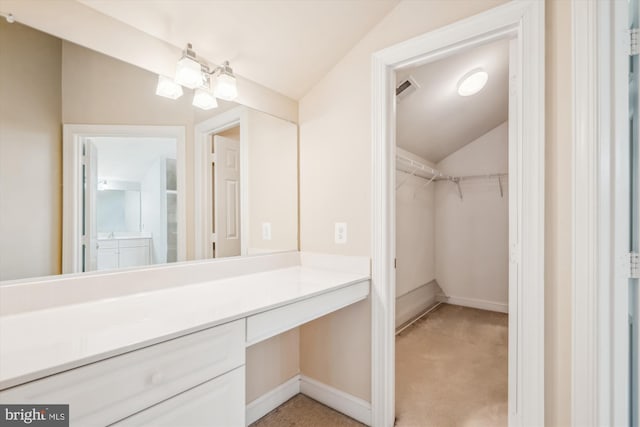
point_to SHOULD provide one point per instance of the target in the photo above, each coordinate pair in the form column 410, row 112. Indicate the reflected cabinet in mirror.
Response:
column 97, row 172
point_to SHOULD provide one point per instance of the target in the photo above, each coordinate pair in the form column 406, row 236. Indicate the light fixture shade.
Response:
column 168, row 88
column 204, row 99
column 472, row 82
column 226, row 87
column 189, row 73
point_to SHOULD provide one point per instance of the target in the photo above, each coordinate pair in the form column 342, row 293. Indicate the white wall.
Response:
column 415, row 231
column 154, row 210
column 30, row 153
column 471, row 235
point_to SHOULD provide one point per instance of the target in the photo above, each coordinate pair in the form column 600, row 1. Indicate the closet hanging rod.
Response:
column 471, row 177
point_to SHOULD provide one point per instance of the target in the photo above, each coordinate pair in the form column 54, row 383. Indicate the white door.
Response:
column 226, row 196
column 89, row 223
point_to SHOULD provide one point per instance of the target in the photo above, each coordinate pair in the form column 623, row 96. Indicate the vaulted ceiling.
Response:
column 286, row 45
column 434, row 121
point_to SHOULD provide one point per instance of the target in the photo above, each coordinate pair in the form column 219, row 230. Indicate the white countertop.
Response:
column 43, row 342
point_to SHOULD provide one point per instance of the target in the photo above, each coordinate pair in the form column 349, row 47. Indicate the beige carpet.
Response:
column 302, row 411
column 451, row 370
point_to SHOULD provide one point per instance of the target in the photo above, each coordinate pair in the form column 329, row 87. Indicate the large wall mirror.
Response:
column 97, row 172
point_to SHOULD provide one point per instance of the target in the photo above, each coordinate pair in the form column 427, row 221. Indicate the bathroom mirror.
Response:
column 97, row 172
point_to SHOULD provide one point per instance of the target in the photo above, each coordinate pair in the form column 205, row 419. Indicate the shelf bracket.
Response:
column 457, row 182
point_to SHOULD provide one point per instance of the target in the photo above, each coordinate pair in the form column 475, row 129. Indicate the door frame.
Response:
column 523, row 20
column 72, row 136
column 202, row 183
column 600, row 347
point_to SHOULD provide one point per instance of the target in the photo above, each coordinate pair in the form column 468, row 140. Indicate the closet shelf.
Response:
column 414, row 168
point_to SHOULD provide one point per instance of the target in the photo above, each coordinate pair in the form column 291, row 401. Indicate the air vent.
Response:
column 406, row 88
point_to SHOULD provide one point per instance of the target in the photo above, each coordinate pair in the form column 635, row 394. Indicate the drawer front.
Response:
column 219, row 402
column 107, row 244
column 110, row 390
column 133, row 243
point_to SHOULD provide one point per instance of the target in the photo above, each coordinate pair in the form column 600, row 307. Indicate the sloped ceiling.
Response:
column 285, row 45
column 435, row 121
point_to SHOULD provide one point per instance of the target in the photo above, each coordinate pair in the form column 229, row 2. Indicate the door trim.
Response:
column 72, row 182
column 523, row 20
column 600, row 383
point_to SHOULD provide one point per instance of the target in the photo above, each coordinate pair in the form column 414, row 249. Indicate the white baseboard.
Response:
column 272, row 399
column 416, row 302
column 475, row 303
column 348, row 404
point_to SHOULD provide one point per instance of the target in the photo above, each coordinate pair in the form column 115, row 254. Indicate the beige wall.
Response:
column 30, row 153
column 335, row 136
column 271, row 363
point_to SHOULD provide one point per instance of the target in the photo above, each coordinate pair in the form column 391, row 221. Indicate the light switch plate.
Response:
column 266, row 231
column 341, row 233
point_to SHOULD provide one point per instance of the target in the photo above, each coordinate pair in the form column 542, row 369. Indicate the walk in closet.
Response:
column 452, row 237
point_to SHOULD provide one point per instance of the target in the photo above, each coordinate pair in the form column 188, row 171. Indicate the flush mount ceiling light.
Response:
column 168, row 88
column 472, row 82
column 225, row 85
column 204, row 99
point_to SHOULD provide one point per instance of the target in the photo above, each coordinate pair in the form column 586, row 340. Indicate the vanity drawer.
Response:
column 107, row 244
column 133, row 243
column 110, row 390
column 219, row 402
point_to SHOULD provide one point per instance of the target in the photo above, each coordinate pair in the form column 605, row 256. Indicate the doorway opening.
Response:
column 452, row 237
column 522, row 22
column 125, row 204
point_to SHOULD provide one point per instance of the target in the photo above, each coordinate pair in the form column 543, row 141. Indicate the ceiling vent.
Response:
column 406, row 88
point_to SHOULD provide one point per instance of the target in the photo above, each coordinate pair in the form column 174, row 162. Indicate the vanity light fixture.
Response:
column 204, row 99
column 189, row 70
column 168, row 88
column 472, row 82
column 208, row 85
column 225, row 85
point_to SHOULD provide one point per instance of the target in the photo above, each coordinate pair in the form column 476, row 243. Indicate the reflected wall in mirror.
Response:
column 246, row 184
column 47, row 84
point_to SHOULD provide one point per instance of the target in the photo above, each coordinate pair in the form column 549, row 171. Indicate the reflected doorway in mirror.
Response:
column 126, row 205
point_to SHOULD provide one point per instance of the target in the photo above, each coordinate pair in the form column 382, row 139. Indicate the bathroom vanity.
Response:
column 167, row 351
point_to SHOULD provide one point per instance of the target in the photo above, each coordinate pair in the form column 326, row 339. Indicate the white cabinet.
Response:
column 120, row 253
column 104, row 392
